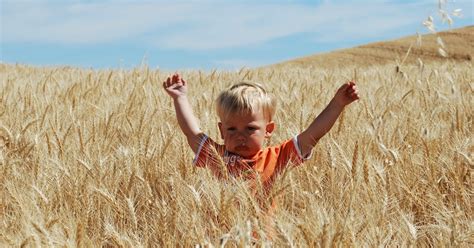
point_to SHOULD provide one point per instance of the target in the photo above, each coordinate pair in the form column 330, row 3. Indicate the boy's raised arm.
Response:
column 176, row 87
column 345, row 95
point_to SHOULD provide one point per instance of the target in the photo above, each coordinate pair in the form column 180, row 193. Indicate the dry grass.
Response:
column 94, row 158
column 458, row 44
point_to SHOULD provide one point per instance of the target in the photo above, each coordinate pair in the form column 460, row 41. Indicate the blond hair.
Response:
column 245, row 98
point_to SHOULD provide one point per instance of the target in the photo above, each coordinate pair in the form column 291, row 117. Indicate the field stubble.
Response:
column 95, row 158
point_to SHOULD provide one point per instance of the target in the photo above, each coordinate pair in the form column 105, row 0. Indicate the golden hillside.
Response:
column 459, row 45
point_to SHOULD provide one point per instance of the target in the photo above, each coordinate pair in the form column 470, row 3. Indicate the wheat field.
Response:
column 96, row 158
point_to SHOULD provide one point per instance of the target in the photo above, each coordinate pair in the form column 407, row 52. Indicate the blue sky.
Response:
column 205, row 34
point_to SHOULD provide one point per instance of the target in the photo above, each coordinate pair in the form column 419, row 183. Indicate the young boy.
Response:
column 246, row 119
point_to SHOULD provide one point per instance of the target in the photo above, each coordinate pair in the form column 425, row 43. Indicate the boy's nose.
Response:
column 241, row 136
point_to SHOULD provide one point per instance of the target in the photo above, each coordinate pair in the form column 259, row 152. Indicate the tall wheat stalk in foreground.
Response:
column 94, row 158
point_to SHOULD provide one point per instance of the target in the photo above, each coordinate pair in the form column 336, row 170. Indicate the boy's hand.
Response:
column 346, row 94
column 175, row 86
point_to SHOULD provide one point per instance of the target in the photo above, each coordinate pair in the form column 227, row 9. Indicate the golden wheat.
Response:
column 94, row 158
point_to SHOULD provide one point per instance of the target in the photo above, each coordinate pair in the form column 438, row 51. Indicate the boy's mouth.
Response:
column 241, row 148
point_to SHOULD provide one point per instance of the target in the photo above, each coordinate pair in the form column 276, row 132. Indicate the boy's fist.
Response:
column 175, row 86
column 346, row 94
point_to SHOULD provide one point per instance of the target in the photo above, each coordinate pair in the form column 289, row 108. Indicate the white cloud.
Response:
column 79, row 23
column 198, row 25
column 230, row 25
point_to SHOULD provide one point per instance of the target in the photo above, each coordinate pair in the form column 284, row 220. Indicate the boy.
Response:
column 246, row 119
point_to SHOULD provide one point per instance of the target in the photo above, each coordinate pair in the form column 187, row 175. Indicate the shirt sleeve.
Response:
column 290, row 153
column 298, row 150
column 209, row 152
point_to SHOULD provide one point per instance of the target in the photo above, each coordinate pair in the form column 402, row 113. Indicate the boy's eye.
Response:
column 252, row 128
column 231, row 129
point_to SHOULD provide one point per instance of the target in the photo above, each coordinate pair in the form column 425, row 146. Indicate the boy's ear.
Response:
column 269, row 129
column 220, row 129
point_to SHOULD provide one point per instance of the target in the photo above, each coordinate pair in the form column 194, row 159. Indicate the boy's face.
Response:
column 244, row 134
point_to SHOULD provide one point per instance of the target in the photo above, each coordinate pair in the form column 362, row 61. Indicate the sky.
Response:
column 204, row 34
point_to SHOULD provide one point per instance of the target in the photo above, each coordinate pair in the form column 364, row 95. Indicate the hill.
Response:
column 459, row 45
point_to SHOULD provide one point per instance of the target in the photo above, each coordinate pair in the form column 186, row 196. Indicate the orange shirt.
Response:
column 267, row 163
